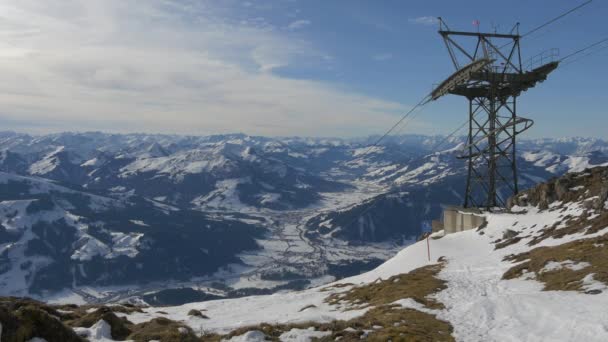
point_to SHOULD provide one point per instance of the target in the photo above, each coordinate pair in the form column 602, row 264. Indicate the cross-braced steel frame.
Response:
column 491, row 150
column 493, row 122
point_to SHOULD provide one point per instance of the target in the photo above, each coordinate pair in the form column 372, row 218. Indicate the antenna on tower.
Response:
column 491, row 80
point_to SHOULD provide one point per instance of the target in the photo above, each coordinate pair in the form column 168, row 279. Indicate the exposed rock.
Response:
column 30, row 321
column 23, row 319
column 120, row 326
column 162, row 329
column 593, row 292
column 197, row 313
column 589, row 184
column 508, row 234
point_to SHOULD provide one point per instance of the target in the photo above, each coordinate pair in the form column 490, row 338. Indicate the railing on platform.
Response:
column 544, row 57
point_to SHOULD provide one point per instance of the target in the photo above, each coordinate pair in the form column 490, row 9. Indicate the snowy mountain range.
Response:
column 54, row 237
column 227, row 214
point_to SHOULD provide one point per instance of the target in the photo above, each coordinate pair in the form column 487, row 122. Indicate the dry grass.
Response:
column 336, row 286
column 23, row 319
column 120, row 327
column 162, row 329
column 383, row 321
column 197, row 313
column 507, row 242
column 30, row 321
column 574, row 225
column 590, row 188
column 418, row 284
column 388, row 322
column 593, row 251
column 126, row 308
column 509, row 237
column 398, row 324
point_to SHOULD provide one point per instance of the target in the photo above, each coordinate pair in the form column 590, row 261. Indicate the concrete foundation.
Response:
column 456, row 219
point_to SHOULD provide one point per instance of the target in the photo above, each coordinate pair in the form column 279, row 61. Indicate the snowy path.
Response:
column 483, row 307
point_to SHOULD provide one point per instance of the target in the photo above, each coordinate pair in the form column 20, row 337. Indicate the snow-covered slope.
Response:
column 483, row 299
column 558, row 164
column 535, row 272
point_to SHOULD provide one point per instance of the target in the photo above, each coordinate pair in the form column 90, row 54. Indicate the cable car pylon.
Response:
column 491, row 80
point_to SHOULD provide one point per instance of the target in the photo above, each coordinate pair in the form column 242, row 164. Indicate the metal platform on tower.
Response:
column 491, row 78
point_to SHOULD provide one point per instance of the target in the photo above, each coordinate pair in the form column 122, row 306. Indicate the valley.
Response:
column 165, row 219
column 286, row 259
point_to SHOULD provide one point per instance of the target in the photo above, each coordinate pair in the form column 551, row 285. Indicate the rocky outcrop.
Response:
column 590, row 185
column 24, row 319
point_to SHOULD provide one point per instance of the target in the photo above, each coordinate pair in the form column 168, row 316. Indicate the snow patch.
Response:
column 409, row 303
column 302, row 335
column 367, row 150
column 569, row 264
column 99, row 332
column 250, row 336
column 225, row 195
column 89, row 247
column 139, row 223
column 590, row 284
column 47, row 164
column 269, row 197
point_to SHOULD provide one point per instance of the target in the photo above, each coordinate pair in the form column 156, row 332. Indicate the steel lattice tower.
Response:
column 491, row 80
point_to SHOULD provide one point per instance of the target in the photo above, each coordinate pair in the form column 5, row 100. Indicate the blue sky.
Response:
column 309, row 68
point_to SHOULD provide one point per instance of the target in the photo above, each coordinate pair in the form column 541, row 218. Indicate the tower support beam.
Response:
column 490, row 152
column 492, row 78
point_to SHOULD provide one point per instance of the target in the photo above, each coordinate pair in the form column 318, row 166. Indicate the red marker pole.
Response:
column 428, row 247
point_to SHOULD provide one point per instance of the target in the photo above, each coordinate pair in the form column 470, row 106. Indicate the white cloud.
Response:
column 382, row 57
column 425, row 20
column 298, row 24
column 162, row 66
